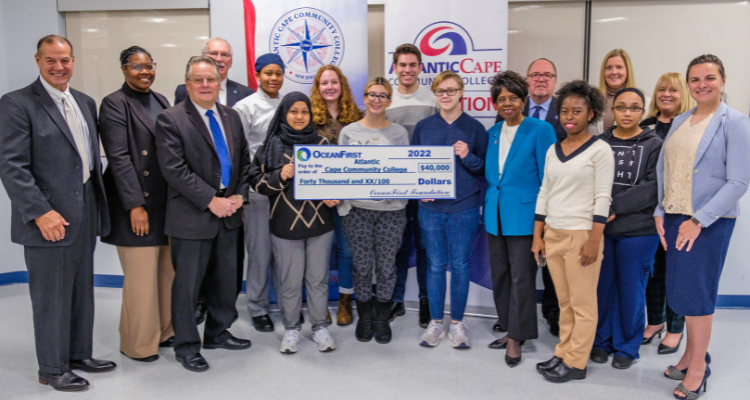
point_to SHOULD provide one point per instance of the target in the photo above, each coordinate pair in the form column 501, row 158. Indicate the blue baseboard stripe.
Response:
column 727, row 301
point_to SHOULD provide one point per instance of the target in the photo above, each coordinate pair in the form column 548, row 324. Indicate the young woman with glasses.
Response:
column 374, row 227
column 630, row 237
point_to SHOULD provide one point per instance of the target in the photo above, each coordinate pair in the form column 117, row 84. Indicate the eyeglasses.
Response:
column 537, row 76
column 215, row 54
column 200, row 81
column 139, row 67
column 513, row 99
column 634, row 109
column 450, row 92
column 377, row 97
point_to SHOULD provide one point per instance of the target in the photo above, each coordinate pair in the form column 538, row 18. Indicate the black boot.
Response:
column 380, row 321
column 364, row 329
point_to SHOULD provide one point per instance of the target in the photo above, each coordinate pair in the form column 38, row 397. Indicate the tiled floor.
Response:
column 400, row 370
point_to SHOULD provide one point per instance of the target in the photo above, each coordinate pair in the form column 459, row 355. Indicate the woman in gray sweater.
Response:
column 374, row 227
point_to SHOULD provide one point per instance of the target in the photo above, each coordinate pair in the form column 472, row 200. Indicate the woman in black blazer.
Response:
column 137, row 193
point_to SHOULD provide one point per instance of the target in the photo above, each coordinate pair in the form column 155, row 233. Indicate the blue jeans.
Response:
column 344, row 256
column 448, row 239
column 621, row 294
column 404, row 253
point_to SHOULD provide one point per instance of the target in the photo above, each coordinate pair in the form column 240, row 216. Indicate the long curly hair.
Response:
column 348, row 110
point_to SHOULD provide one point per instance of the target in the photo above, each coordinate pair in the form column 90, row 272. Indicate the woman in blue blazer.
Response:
column 702, row 173
column 514, row 167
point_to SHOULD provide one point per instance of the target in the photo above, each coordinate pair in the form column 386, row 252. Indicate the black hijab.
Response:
column 281, row 135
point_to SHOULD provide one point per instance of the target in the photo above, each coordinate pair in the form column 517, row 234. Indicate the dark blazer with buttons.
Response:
column 235, row 92
column 40, row 166
column 133, row 177
column 552, row 118
column 191, row 167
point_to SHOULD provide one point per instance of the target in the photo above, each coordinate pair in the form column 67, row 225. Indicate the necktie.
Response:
column 221, row 149
column 78, row 136
column 536, row 112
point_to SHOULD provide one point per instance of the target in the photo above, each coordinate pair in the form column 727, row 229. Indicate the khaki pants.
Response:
column 576, row 293
column 145, row 319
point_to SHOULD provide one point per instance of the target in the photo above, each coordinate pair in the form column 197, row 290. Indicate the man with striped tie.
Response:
column 204, row 158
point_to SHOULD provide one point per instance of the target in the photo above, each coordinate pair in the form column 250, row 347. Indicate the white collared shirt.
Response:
column 215, row 109
column 223, row 93
column 57, row 97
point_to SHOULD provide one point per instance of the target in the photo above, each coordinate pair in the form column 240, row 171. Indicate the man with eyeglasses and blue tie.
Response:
column 542, row 79
column 230, row 92
column 204, row 158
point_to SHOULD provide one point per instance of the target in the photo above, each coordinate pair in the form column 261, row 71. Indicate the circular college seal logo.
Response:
column 306, row 39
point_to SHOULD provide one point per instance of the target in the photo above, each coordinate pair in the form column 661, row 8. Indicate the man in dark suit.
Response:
column 50, row 167
column 205, row 160
column 542, row 79
column 229, row 94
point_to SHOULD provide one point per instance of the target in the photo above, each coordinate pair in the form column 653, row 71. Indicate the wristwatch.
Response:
column 695, row 221
column 241, row 197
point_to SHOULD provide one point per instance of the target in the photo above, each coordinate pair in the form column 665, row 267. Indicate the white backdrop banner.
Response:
column 468, row 37
column 308, row 34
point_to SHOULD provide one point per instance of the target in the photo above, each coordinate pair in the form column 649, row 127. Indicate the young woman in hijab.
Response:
column 301, row 230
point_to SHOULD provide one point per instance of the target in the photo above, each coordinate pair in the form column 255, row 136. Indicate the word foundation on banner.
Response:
column 374, row 172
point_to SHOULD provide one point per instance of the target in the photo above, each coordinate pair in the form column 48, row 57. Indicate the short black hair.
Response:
column 52, row 39
column 634, row 90
column 594, row 99
column 125, row 54
column 513, row 81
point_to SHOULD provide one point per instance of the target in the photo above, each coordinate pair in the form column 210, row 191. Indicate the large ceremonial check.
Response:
column 374, row 172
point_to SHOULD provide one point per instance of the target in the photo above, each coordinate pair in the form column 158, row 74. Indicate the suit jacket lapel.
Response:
column 140, row 111
column 51, row 108
column 90, row 122
column 711, row 130
column 517, row 140
column 197, row 120
column 231, row 93
column 550, row 114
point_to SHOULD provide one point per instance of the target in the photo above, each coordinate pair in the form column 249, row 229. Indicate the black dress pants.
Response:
column 61, row 283
column 513, row 271
column 213, row 261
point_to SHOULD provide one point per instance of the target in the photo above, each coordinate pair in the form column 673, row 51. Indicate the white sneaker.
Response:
column 435, row 331
column 457, row 335
column 324, row 340
column 290, row 341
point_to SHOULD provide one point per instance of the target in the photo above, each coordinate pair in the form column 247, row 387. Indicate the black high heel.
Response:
column 512, row 362
column 670, row 350
column 693, row 395
column 649, row 339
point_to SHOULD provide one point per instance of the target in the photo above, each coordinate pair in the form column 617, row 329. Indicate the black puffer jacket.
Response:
column 634, row 193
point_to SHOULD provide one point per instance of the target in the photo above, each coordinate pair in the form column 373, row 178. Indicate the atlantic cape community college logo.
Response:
column 306, row 39
column 303, row 154
column 446, row 45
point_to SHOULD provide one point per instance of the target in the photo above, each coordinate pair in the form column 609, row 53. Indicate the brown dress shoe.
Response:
column 344, row 315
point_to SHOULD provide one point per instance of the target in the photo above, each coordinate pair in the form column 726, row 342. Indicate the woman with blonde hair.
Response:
column 333, row 108
column 671, row 98
column 616, row 73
